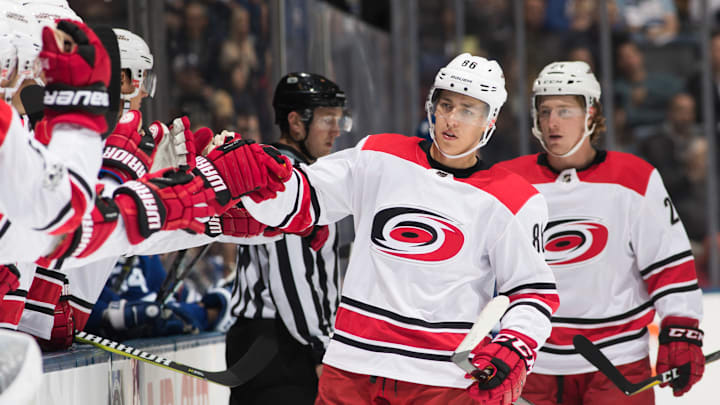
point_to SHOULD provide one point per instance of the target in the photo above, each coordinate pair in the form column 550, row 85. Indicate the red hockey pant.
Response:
column 346, row 388
column 588, row 388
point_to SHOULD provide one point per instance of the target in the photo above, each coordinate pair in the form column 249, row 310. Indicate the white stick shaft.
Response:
column 489, row 316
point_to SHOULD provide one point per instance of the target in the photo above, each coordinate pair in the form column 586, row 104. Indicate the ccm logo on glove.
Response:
column 688, row 333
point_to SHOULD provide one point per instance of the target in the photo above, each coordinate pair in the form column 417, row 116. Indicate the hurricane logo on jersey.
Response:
column 416, row 234
column 574, row 241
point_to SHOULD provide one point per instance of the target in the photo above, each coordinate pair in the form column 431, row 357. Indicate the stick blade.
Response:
column 258, row 356
column 489, row 316
column 592, row 353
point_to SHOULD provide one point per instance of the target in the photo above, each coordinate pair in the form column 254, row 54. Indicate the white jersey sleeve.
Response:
column 522, row 274
column 58, row 179
column 320, row 194
column 663, row 254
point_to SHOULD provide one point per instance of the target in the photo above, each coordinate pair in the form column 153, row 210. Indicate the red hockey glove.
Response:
column 9, row 279
column 170, row 200
column 129, row 151
column 63, row 329
column 77, row 76
column 502, row 365
column 234, row 222
column 259, row 170
column 681, row 345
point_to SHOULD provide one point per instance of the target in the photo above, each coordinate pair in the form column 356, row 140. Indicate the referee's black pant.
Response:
column 290, row 376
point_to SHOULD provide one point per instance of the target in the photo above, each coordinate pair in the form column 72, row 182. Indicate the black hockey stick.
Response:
column 593, row 354
column 171, row 275
column 181, row 271
column 258, row 356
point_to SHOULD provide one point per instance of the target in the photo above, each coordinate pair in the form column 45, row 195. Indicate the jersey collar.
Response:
column 457, row 173
column 542, row 160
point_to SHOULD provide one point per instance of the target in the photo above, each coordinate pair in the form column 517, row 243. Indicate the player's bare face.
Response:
column 460, row 121
column 562, row 122
column 324, row 129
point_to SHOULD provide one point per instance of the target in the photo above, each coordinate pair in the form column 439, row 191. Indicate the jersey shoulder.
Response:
column 509, row 188
column 402, row 146
column 528, row 168
column 623, row 169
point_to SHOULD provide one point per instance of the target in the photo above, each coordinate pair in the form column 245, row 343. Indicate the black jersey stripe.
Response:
column 607, row 343
column 400, row 318
column 82, row 182
column 530, row 286
column 666, row 261
column 591, row 321
column 50, row 273
column 81, row 302
column 296, row 205
column 41, row 309
column 392, row 350
column 675, row 290
column 4, row 228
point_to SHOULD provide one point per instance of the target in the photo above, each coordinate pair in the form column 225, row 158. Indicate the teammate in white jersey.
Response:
column 616, row 246
column 437, row 233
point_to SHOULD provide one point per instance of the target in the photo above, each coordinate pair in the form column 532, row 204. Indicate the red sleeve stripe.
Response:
column 384, row 331
column 664, row 262
column 669, row 276
column 300, row 218
column 545, row 303
column 562, row 336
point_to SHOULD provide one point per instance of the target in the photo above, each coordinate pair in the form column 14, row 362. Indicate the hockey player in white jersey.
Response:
column 437, row 233
column 617, row 248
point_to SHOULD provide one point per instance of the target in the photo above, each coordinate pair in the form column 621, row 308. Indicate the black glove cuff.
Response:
column 93, row 99
column 681, row 334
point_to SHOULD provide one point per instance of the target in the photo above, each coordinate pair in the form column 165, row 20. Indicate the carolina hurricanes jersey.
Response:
column 431, row 246
column 58, row 179
column 619, row 253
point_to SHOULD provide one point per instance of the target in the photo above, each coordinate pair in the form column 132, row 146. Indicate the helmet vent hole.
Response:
column 465, row 89
column 452, row 84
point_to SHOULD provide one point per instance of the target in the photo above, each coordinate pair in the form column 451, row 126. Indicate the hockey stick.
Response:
column 489, row 316
column 124, row 273
column 592, row 353
column 179, row 275
column 258, row 356
column 171, row 275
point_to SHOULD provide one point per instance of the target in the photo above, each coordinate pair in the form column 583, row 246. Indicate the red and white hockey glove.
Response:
column 9, row 279
column 77, row 71
column 681, row 346
column 169, row 200
column 129, row 151
column 251, row 168
column 234, row 222
column 502, row 365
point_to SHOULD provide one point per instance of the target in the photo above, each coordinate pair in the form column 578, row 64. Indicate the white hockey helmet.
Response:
column 57, row 3
column 8, row 53
column 472, row 76
column 135, row 56
column 27, row 39
column 565, row 79
column 47, row 12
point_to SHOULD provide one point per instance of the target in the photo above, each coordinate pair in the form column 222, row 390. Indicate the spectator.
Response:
column 667, row 147
column 694, row 84
column 643, row 94
column 197, row 42
column 691, row 204
column 240, row 44
column 223, row 110
column 655, row 21
column 249, row 126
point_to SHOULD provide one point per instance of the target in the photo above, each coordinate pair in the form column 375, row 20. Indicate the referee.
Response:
column 288, row 290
